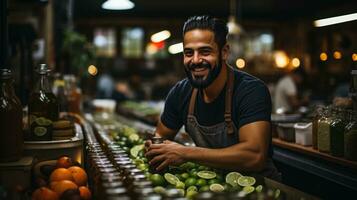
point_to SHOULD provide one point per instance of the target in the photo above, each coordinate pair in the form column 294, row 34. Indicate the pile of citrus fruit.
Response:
column 65, row 181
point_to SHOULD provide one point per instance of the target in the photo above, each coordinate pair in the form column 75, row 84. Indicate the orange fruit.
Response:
column 60, row 186
column 61, row 174
column 79, row 175
column 43, row 193
column 85, row 193
column 64, row 162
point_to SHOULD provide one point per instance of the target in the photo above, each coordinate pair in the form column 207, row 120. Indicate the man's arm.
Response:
column 248, row 155
column 164, row 131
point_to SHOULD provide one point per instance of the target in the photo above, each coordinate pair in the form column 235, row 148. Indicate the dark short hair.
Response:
column 205, row 22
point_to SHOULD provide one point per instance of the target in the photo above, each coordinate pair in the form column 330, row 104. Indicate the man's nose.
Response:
column 196, row 58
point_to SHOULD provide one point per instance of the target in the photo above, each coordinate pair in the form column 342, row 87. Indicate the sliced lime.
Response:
column 259, row 188
column 206, row 174
column 232, row 178
column 192, row 188
column 138, row 161
column 41, row 121
column 216, row 187
column 246, row 181
column 134, row 137
column 172, row 179
column 135, row 150
column 248, row 189
column 40, row 131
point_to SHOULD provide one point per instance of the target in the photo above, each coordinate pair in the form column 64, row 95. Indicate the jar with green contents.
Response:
column 337, row 130
column 350, row 150
column 317, row 115
column 323, row 131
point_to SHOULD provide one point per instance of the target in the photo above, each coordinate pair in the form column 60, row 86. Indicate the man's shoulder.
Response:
column 245, row 80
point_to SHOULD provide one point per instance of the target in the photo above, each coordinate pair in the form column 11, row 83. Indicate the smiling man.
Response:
column 225, row 111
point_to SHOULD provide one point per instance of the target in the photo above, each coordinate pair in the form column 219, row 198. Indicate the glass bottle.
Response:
column 59, row 90
column 315, row 120
column 11, row 143
column 43, row 107
column 337, row 129
column 73, row 94
column 323, row 131
column 350, row 150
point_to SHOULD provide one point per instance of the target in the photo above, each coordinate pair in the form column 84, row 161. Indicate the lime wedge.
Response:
column 246, row 181
column 172, row 179
column 138, row 161
column 206, row 174
column 41, row 121
column 232, row 178
column 248, row 189
column 216, row 187
column 259, row 188
column 135, row 150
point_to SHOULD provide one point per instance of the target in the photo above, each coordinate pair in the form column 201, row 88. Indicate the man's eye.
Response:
column 188, row 53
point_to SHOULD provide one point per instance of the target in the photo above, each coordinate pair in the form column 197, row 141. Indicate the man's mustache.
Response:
column 193, row 66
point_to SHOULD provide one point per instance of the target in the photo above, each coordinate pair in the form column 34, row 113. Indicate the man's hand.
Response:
column 168, row 153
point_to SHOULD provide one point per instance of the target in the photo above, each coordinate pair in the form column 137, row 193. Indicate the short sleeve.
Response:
column 171, row 116
column 255, row 104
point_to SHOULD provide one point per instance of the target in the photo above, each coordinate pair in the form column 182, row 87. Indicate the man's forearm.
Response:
column 238, row 157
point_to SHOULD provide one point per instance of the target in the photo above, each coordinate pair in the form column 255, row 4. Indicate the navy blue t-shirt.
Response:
column 251, row 102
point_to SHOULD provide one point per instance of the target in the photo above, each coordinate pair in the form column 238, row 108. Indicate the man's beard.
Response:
column 203, row 82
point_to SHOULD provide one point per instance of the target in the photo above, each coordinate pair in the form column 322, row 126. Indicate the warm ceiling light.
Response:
column 354, row 57
column 160, row 36
column 335, row 20
column 233, row 27
column 337, row 55
column 118, row 5
column 323, row 56
column 240, row 63
column 92, row 70
column 281, row 59
column 176, row 48
column 295, row 62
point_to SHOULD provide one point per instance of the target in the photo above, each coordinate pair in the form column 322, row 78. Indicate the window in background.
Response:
column 105, row 42
column 258, row 44
column 132, row 42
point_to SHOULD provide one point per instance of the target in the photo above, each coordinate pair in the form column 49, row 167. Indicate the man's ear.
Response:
column 225, row 52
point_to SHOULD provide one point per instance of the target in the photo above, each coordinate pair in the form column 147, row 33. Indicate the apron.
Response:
column 223, row 134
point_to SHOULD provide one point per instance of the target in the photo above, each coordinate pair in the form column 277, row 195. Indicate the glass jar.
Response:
column 43, row 107
column 11, row 143
column 315, row 120
column 323, row 131
column 73, row 94
column 350, row 150
column 337, row 129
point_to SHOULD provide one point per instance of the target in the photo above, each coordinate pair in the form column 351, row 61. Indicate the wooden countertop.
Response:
column 315, row 153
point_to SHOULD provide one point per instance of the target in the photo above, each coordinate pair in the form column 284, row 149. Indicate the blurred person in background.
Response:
column 225, row 111
column 286, row 97
column 105, row 85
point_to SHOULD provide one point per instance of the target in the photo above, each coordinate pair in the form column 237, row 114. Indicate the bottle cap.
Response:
column 43, row 69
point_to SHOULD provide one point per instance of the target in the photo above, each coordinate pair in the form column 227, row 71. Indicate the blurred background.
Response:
column 119, row 48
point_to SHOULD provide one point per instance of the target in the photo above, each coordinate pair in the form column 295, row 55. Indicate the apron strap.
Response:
column 192, row 101
column 228, row 101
